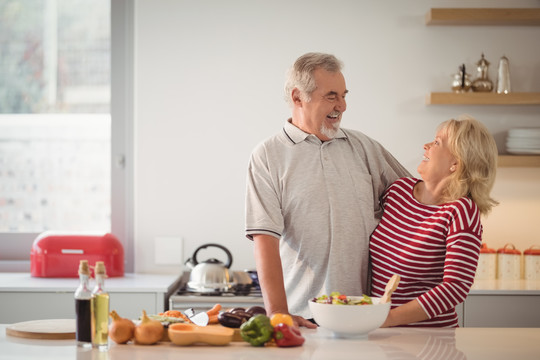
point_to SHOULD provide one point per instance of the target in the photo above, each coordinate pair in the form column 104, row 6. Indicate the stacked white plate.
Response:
column 525, row 141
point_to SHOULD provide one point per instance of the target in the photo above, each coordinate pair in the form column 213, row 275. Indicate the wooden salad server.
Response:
column 389, row 289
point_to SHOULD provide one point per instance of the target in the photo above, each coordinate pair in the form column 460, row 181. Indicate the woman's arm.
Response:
column 410, row 312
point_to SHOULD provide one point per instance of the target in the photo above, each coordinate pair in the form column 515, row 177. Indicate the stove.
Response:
column 245, row 294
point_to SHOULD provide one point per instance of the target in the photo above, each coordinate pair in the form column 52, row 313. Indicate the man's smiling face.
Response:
column 322, row 114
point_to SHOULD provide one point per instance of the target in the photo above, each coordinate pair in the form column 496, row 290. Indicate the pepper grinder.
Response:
column 503, row 81
column 482, row 82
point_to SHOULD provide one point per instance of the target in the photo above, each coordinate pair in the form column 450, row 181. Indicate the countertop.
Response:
column 394, row 343
column 10, row 281
column 505, row 287
column 23, row 282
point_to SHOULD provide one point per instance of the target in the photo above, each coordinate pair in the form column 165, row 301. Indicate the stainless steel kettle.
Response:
column 210, row 275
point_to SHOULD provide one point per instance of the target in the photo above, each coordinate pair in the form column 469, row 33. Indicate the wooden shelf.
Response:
column 484, row 16
column 488, row 16
column 519, row 161
column 479, row 98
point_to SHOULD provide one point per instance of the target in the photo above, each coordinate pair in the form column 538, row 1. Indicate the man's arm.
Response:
column 268, row 260
column 269, row 271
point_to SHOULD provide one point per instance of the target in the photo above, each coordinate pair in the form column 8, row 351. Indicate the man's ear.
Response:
column 296, row 97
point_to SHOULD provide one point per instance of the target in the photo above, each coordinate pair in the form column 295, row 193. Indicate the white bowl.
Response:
column 347, row 321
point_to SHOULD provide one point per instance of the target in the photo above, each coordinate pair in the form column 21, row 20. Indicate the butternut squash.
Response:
column 189, row 334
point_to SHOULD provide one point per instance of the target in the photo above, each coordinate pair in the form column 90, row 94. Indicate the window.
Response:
column 57, row 140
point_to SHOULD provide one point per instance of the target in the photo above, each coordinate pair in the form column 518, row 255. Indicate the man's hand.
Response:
column 300, row 321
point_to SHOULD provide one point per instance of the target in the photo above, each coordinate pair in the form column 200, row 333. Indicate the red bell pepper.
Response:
column 286, row 336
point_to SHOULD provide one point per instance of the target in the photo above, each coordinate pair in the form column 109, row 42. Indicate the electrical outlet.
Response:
column 168, row 250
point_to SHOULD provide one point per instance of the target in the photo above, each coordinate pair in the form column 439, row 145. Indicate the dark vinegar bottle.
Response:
column 83, row 307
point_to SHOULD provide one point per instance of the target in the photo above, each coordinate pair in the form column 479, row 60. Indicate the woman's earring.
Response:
column 453, row 168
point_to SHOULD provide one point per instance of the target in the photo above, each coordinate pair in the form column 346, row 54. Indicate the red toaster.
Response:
column 58, row 254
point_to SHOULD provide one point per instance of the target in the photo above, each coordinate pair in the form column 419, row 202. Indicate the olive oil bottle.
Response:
column 100, row 309
column 83, row 311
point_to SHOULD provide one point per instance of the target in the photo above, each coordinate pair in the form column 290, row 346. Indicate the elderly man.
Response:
column 313, row 195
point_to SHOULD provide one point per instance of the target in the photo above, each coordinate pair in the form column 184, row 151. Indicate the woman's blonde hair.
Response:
column 476, row 152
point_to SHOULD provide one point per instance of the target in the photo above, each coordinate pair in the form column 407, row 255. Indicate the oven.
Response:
column 245, row 293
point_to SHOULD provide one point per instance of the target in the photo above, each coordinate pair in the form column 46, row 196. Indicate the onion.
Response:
column 120, row 330
column 149, row 331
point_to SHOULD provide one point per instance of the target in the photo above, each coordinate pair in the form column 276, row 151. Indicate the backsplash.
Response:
column 515, row 220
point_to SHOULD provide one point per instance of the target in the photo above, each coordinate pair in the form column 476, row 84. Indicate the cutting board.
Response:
column 237, row 336
column 55, row 329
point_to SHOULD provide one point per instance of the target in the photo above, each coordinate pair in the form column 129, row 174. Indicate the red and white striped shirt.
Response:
column 434, row 249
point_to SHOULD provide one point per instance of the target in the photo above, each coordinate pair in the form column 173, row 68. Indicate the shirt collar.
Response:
column 297, row 136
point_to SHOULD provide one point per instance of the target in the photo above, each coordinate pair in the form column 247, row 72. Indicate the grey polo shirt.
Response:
column 322, row 200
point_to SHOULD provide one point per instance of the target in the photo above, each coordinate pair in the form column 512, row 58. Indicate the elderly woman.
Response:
column 430, row 233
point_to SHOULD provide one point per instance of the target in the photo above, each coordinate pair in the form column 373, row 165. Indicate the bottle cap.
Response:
column 100, row 268
column 84, row 269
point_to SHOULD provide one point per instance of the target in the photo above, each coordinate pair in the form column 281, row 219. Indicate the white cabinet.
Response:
column 24, row 298
column 502, row 311
column 501, row 303
column 25, row 306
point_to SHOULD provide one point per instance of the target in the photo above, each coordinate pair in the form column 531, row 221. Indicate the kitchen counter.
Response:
column 506, row 287
column 30, row 298
column 24, row 297
column 395, row 343
column 23, row 282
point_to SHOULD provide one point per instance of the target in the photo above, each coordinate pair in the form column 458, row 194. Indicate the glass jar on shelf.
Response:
column 482, row 83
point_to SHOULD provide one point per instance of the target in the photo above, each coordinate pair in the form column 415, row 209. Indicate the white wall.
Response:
column 209, row 78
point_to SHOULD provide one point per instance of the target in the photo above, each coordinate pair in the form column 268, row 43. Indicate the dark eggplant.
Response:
column 242, row 313
column 254, row 310
column 236, row 309
column 231, row 320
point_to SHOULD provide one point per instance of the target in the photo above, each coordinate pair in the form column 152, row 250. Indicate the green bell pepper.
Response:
column 257, row 330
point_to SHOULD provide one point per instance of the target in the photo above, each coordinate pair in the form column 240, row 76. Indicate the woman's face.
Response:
column 438, row 163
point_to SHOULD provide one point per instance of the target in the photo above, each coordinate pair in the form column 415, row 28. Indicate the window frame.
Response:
column 15, row 247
